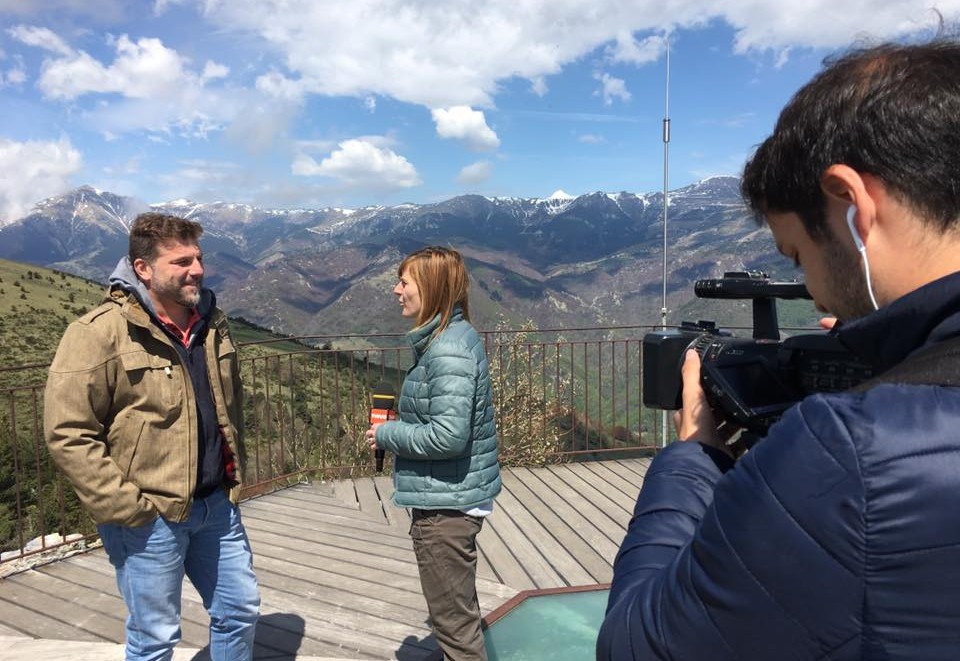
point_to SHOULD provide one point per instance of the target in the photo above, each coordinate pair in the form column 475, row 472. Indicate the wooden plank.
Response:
column 330, row 631
column 369, row 499
column 631, row 470
column 579, row 538
column 398, row 517
column 318, row 519
column 625, row 489
column 345, row 492
column 611, row 501
column 307, row 502
column 342, row 610
column 373, row 542
column 607, row 518
column 638, row 466
column 195, row 622
column 79, row 619
column 352, row 566
column 8, row 631
column 31, row 618
column 484, row 568
column 536, row 567
column 73, row 571
column 309, row 562
column 504, row 564
column 340, row 591
column 569, row 571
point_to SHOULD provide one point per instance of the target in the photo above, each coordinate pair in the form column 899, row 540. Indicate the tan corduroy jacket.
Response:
column 120, row 416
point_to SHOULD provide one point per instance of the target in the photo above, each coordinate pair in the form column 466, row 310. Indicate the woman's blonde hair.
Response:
column 442, row 280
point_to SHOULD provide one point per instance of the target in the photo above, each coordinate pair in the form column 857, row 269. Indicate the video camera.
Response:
column 748, row 381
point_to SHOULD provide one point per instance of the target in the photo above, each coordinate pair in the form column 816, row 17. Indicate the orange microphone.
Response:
column 384, row 401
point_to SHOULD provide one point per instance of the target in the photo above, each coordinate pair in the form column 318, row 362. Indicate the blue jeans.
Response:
column 212, row 549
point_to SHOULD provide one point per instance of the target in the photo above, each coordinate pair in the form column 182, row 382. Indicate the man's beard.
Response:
column 848, row 284
column 177, row 292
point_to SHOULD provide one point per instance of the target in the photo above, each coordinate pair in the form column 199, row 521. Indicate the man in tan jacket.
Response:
column 142, row 413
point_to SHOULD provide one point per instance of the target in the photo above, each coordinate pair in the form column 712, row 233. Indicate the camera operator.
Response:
column 838, row 535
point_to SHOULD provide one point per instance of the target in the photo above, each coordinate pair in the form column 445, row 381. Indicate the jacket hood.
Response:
column 124, row 278
column 925, row 316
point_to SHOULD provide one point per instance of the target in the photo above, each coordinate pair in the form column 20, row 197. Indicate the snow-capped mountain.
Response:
column 590, row 259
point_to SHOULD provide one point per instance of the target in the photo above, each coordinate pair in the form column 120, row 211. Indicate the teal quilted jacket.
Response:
column 445, row 441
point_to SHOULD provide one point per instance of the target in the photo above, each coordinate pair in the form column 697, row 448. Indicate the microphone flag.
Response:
column 383, row 409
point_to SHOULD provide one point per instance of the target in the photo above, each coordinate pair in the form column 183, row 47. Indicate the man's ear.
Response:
column 843, row 186
column 143, row 270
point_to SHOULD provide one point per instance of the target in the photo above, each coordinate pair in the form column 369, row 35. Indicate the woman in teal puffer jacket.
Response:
column 445, row 444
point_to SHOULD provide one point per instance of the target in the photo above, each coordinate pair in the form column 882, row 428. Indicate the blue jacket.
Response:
column 445, row 441
column 837, row 537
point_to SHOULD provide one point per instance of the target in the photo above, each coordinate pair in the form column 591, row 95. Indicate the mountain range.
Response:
column 563, row 261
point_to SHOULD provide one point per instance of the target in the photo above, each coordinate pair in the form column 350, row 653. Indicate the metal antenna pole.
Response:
column 666, row 169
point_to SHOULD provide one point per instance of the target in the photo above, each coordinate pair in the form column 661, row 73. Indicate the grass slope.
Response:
column 36, row 304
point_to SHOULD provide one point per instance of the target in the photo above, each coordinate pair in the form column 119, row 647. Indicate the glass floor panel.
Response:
column 560, row 625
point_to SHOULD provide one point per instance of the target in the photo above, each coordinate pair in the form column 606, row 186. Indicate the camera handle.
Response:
column 765, row 326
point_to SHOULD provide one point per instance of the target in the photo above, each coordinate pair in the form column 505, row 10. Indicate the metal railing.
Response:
column 560, row 395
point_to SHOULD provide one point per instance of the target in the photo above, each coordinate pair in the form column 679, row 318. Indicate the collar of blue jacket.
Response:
column 419, row 338
column 925, row 316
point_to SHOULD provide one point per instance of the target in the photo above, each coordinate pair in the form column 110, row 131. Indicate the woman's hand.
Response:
column 370, row 436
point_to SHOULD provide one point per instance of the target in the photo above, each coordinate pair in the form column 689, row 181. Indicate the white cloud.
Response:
column 13, row 76
column 34, row 170
column 464, row 123
column 142, row 70
column 539, row 86
column 277, row 85
column 611, row 87
column 591, row 139
column 363, row 162
column 212, row 71
column 160, row 6
column 157, row 89
column 826, row 24
column 442, row 54
column 626, row 49
column 435, row 54
column 129, row 167
column 475, row 173
column 257, row 126
column 102, row 10
column 40, row 38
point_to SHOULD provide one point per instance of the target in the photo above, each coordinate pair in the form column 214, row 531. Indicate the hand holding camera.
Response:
column 743, row 382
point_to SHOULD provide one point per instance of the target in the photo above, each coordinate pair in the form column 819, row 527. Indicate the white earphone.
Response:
column 851, row 213
column 862, row 249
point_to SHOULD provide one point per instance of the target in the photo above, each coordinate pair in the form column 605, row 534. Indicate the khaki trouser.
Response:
column 445, row 543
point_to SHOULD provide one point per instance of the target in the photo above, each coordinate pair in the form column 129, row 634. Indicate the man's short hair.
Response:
column 891, row 111
column 151, row 230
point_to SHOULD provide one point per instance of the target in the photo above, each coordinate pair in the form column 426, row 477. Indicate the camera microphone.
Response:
column 384, row 401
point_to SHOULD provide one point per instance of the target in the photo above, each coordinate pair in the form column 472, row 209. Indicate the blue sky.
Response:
column 316, row 103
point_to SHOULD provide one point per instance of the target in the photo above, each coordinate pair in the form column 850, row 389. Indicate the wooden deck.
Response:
column 336, row 568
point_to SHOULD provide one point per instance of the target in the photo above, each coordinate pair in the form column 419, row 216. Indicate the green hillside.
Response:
column 36, row 304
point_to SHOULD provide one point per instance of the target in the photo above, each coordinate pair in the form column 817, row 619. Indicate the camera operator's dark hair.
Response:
column 151, row 230
column 892, row 111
